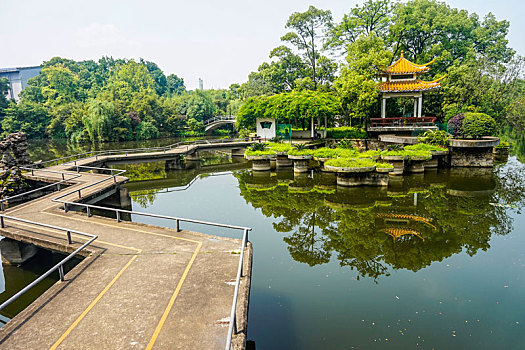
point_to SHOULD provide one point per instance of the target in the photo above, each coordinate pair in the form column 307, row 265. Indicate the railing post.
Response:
column 69, row 237
column 177, row 225
column 88, row 210
column 66, row 207
column 2, row 206
column 114, row 179
column 58, row 186
column 79, row 196
column 2, row 221
column 118, row 215
column 32, row 172
column 61, row 272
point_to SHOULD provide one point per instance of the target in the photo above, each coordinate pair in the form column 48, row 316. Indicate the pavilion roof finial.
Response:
column 402, row 54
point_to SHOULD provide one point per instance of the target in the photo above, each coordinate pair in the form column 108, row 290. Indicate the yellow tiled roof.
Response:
column 408, row 86
column 404, row 66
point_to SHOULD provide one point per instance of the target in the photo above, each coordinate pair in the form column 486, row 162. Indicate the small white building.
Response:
column 265, row 128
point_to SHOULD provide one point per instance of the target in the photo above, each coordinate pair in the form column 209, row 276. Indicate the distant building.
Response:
column 18, row 78
column 201, row 84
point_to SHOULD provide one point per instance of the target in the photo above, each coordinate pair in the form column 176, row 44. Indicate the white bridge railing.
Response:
column 218, row 119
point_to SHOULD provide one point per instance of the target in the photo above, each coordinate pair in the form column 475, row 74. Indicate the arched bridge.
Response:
column 215, row 122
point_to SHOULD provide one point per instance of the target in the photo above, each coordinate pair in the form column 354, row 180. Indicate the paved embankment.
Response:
column 139, row 286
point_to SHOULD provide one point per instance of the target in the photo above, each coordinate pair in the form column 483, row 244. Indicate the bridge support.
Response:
column 238, row 152
column 195, row 156
column 16, row 253
column 178, row 163
column 283, row 161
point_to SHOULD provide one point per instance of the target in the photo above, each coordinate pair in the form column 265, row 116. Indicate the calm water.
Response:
column 434, row 261
column 13, row 278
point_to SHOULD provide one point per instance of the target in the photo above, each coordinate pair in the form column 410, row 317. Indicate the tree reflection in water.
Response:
column 416, row 221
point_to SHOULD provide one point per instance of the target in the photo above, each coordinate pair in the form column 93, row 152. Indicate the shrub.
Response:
column 345, row 143
column 435, row 137
column 455, row 125
column 477, row 125
column 264, row 152
column 280, row 147
column 146, row 131
column 350, row 162
column 424, row 147
column 258, row 147
column 300, row 146
column 346, row 132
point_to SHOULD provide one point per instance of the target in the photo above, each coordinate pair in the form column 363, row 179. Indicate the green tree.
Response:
column 357, row 86
column 29, row 117
column 308, row 29
column 371, row 16
column 175, row 84
column 200, row 106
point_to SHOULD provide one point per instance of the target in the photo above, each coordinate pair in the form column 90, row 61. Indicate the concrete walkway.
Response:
column 138, row 287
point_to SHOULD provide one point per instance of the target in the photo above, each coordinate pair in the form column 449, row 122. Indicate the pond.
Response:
column 432, row 261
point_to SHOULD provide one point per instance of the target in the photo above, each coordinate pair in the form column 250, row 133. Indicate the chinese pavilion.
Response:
column 402, row 81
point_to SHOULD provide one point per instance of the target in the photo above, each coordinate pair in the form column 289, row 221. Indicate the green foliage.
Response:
column 351, row 163
column 29, row 117
column 356, row 86
column 477, row 125
column 175, row 84
column 301, row 152
column 426, row 147
column 264, row 152
column 300, row 146
column 345, row 143
column 258, row 147
column 307, row 29
column 346, row 132
column 435, row 137
column 146, row 131
column 292, row 106
column 280, row 147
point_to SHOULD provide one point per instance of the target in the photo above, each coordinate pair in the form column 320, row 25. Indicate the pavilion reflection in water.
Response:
column 415, row 221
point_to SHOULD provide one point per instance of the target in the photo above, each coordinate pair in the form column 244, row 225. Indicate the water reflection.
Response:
column 416, row 221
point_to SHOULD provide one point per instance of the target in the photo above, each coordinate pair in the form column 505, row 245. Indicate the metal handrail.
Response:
column 233, row 320
column 59, row 265
column 85, row 155
column 74, row 176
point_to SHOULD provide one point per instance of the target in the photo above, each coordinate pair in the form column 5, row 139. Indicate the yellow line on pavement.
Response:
column 172, row 299
column 93, row 303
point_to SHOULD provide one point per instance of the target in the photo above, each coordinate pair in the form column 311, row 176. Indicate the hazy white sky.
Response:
column 219, row 41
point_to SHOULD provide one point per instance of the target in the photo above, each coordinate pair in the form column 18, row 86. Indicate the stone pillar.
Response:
column 300, row 165
column 193, row 156
column 283, row 161
column 383, row 107
column 261, row 164
column 16, row 253
column 420, row 107
column 238, row 152
column 175, row 164
column 415, row 107
column 313, row 127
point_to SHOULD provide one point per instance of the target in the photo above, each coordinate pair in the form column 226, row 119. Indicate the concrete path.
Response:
column 138, row 287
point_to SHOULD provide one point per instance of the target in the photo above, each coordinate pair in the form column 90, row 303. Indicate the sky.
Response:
column 218, row 41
